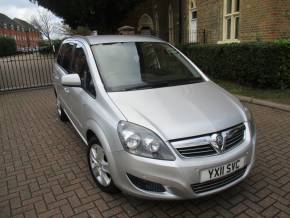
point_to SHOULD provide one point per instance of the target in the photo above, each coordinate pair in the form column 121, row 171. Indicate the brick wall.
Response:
column 150, row 7
column 260, row 20
column 265, row 20
column 23, row 39
column 209, row 18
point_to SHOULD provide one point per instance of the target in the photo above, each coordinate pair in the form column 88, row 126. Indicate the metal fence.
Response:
column 200, row 36
column 185, row 37
column 30, row 69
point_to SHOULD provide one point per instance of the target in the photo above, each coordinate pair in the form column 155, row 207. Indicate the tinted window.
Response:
column 59, row 57
column 65, row 56
column 80, row 66
column 138, row 65
column 89, row 84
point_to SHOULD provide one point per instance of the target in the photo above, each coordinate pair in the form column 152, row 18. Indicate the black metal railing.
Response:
column 28, row 69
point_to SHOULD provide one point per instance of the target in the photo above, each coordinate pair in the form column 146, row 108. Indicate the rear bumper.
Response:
column 177, row 177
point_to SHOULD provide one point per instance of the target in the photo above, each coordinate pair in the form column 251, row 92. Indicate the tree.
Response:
column 101, row 15
column 44, row 24
column 65, row 30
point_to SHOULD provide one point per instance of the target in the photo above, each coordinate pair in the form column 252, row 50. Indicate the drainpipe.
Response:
column 180, row 21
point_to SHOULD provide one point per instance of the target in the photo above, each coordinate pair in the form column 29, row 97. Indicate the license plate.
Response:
column 220, row 171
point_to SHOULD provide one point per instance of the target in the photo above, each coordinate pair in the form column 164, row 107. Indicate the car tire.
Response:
column 61, row 114
column 99, row 167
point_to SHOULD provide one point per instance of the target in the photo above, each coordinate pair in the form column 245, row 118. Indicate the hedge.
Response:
column 7, row 46
column 262, row 65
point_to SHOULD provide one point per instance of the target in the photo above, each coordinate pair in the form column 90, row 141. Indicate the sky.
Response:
column 22, row 9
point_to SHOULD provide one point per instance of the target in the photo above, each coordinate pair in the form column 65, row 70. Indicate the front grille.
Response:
column 235, row 136
column 218, row 183
column 201, row 146
column 146, row 185
column 202, row 150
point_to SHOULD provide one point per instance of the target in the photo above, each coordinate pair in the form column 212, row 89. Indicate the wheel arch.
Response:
column 90, row 134
column 94, row 130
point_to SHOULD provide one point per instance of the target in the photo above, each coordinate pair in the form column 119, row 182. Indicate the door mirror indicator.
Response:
column 71, row 80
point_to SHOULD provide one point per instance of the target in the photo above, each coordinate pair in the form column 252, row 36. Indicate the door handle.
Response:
column 66, row 90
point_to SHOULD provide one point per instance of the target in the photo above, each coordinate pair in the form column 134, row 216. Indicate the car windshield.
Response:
column 142, row 65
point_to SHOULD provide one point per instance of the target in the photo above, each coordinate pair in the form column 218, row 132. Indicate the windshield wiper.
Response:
column 165, row 83
column 184, row 81
column 146, row 86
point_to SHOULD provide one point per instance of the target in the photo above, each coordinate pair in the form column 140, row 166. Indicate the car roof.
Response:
column 100, row 39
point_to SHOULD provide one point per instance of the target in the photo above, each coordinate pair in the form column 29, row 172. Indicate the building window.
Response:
column 231, row 20
column 192, row 36
column 145, row 25
column 193, row 10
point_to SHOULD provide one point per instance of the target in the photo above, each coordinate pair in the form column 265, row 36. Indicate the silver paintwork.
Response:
column 58, row 106
column 171, row 112
column 94, row 40
column 71, row 80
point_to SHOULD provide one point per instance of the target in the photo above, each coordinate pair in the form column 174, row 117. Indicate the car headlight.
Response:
column 143, row 142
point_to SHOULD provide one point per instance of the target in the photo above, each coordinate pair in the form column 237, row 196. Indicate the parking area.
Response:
column 44, row 172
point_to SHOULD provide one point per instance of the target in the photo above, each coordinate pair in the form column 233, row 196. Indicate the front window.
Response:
column 142, row 65
column 231, row 20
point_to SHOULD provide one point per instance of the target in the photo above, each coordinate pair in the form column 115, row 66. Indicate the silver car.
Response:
column 156, row 126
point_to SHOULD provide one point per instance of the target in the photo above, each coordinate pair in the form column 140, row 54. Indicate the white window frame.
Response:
column 192, row 8
column 232, row 15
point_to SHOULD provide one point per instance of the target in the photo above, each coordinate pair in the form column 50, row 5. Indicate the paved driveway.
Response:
column 43, row 170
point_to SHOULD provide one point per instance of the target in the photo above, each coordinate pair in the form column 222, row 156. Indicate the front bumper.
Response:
column 177, row 176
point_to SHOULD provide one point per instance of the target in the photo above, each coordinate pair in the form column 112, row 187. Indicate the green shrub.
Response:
column 282, row 42
column 7, row 46
column 263, row 65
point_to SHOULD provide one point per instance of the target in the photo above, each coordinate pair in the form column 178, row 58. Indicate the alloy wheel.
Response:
column 100, row 165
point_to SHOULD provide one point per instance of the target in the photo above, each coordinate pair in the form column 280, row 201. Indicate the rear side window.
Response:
column 65, row 56
column 81, row 67
column 59, row 57
column 79, row 64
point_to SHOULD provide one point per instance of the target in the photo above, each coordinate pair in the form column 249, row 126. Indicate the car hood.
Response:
column 181, row 111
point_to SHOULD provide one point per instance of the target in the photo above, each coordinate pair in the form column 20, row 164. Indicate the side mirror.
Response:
column 71, row 80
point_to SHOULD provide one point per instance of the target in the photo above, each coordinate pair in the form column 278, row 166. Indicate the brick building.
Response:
column 212, row 21
column 25, row 35
column 244, row 20
column 171, row 20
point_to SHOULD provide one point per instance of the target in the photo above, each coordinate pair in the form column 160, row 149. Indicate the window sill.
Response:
column 229, row 41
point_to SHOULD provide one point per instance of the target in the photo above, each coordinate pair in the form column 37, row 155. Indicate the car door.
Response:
column 62, row 68
column 79, row 95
